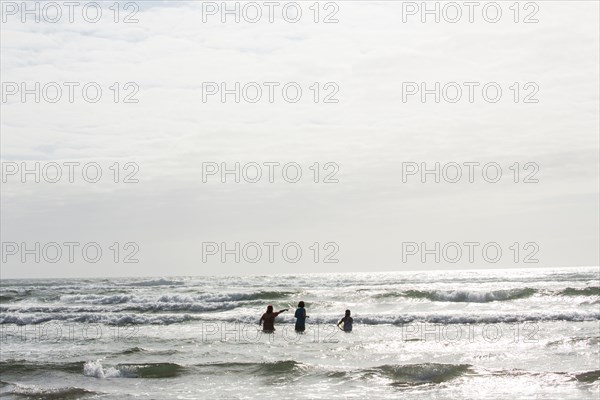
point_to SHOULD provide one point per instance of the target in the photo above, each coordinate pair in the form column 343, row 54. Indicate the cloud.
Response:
column 170, row 132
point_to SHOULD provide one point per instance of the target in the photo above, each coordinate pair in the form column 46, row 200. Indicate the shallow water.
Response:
column 444, row 335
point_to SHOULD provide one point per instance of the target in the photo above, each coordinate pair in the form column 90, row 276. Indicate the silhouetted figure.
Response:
column 347, row 321
column 268, row 319
column 300, row 317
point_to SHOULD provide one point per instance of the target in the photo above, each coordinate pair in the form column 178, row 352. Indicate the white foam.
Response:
column 96, row 370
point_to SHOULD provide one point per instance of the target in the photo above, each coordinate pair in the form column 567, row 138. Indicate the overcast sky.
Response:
column 369, row 133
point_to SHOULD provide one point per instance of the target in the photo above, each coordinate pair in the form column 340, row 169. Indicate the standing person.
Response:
column 268, row 319
column 300, row 317
column 347, row 321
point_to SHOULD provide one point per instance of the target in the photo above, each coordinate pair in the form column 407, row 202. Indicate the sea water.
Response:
column 480, row 334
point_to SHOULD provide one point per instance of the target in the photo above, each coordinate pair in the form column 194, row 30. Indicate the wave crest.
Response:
column 149, row 370
column 464, row 296
column 588, row 377
column 51, row 393
column 156, row 282
column 587, row 291
column 412, row 374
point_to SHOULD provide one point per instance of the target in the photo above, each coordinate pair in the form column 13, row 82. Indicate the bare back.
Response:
column 269, row 321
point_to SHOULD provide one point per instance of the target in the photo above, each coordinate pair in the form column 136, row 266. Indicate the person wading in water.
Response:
column 300, row 317
column 347, row 321
column 268, row 319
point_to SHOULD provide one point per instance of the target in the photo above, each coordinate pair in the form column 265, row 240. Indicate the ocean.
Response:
column 477, row 334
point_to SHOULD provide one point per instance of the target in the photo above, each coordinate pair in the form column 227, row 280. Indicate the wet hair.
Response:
column 301, row 304
column 347, row 312
column 269, row 309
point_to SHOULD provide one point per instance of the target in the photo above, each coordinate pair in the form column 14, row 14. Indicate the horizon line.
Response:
column 306, row 273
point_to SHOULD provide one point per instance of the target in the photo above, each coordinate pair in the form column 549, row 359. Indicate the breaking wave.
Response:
column 467, row 296
column 477, row 319
column 473, row 296
column 107, row 318
column 148, row 370
column 175, row 298
column 402, row 319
